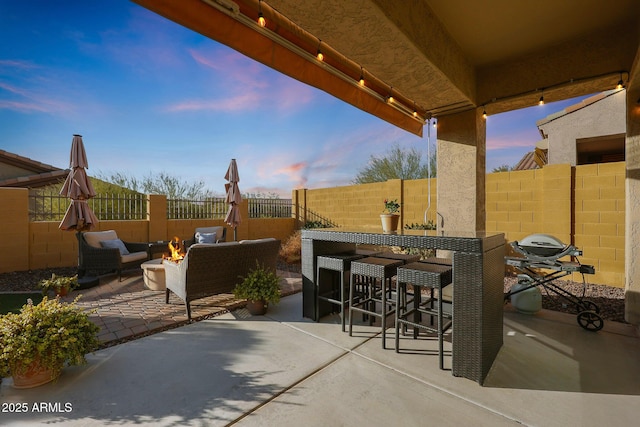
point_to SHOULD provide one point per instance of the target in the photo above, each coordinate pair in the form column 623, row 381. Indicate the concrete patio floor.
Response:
column 284, row 370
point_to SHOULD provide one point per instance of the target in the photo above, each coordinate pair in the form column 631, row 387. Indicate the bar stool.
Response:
column 405, row 258
column 439, row 261
column 340, row 263
column 373, row 270
column 421, row 274
column 367, row 252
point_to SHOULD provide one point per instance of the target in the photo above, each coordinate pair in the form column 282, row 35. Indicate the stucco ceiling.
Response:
column 493, row 31
column 449, row 54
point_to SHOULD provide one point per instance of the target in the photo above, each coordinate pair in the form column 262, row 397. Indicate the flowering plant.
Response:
column 52, row 333
column 58, row 284
column 391, row 206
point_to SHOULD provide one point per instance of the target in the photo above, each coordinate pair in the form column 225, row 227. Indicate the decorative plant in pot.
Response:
column 38, row 342
column 260, row 287
column 61, row 285
column 390, row 216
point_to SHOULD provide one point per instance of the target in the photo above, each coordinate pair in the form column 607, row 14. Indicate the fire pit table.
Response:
column 159, row 247
column 153, row 274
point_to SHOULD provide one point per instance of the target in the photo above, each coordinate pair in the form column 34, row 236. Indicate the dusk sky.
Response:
column 150, row 96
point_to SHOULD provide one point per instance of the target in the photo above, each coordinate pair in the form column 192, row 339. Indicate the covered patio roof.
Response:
column 434, row 57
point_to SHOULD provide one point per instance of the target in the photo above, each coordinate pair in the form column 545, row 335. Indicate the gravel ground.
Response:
column 610, row 300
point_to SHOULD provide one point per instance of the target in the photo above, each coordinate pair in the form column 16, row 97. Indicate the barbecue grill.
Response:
column 540, row 265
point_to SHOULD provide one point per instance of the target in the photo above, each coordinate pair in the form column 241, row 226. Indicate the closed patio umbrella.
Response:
column 78, row 188
column 234, row 197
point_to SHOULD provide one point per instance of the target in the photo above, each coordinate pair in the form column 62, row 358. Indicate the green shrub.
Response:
column 259, row 284
column 53, row 332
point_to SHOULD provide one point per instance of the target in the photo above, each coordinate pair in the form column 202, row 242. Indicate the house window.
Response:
column 601, row 149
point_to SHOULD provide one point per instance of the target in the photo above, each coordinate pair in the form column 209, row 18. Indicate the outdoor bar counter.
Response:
column 478, row 284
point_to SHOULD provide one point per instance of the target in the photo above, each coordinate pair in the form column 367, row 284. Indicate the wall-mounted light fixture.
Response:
column 261, row 20
column 319, row 54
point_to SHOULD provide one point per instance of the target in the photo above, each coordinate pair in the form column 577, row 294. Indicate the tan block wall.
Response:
column 361, row 205
column 354, row 204
column 157, row 209
column 416, row 201
column 280, row 228
column 584, row 206
column 51, row 247
column 600, row 220
column 514, row 203
column 556, row 203
column 14, row 229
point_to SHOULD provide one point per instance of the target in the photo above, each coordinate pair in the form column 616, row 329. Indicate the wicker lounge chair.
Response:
column 100, row 252
column 211, row 269
column 221, row 235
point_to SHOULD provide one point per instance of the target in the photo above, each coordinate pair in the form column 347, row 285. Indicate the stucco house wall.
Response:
column 603, row 115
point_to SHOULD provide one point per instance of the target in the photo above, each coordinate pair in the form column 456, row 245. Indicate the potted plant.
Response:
column 38, row 342
column 389, row 216
column 61, row 285
column 260, row 287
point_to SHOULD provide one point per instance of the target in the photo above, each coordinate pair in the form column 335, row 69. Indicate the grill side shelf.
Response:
column 569, row 266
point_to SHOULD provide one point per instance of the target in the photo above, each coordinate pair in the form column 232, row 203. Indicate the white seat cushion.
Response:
column 93, row 238
column 134, row 256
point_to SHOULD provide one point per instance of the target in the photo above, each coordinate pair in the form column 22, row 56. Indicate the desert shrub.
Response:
column 291, row 250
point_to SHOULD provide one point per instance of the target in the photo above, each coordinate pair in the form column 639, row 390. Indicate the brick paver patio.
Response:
column 127, row 308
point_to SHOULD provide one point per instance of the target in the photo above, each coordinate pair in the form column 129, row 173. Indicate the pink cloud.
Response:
column 242, row 102
column 23, row 106
column 512, row 131
column 240, row 74
column 33, row 101
column 510, row 141
column 296, row 167
column 21, row 65
column 296, row 174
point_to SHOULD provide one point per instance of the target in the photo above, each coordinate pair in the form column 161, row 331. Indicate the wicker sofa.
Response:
column 211, row 269
column 96, row 254
column 220, row 235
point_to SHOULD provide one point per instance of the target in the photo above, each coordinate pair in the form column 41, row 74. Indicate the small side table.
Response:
column 153, row 274
column 159, row 247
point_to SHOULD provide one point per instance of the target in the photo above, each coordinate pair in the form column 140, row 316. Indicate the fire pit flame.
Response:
column 177, row 250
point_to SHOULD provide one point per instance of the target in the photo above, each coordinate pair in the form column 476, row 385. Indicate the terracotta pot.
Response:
column 34, row 376
column 62, row 291
column 389, row 222
column 257, row 308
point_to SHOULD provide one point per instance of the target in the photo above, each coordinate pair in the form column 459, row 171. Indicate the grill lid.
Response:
column 541, row 245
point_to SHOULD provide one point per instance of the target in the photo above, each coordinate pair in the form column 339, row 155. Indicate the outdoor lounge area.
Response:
column 287, row 370
column 361, row 334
